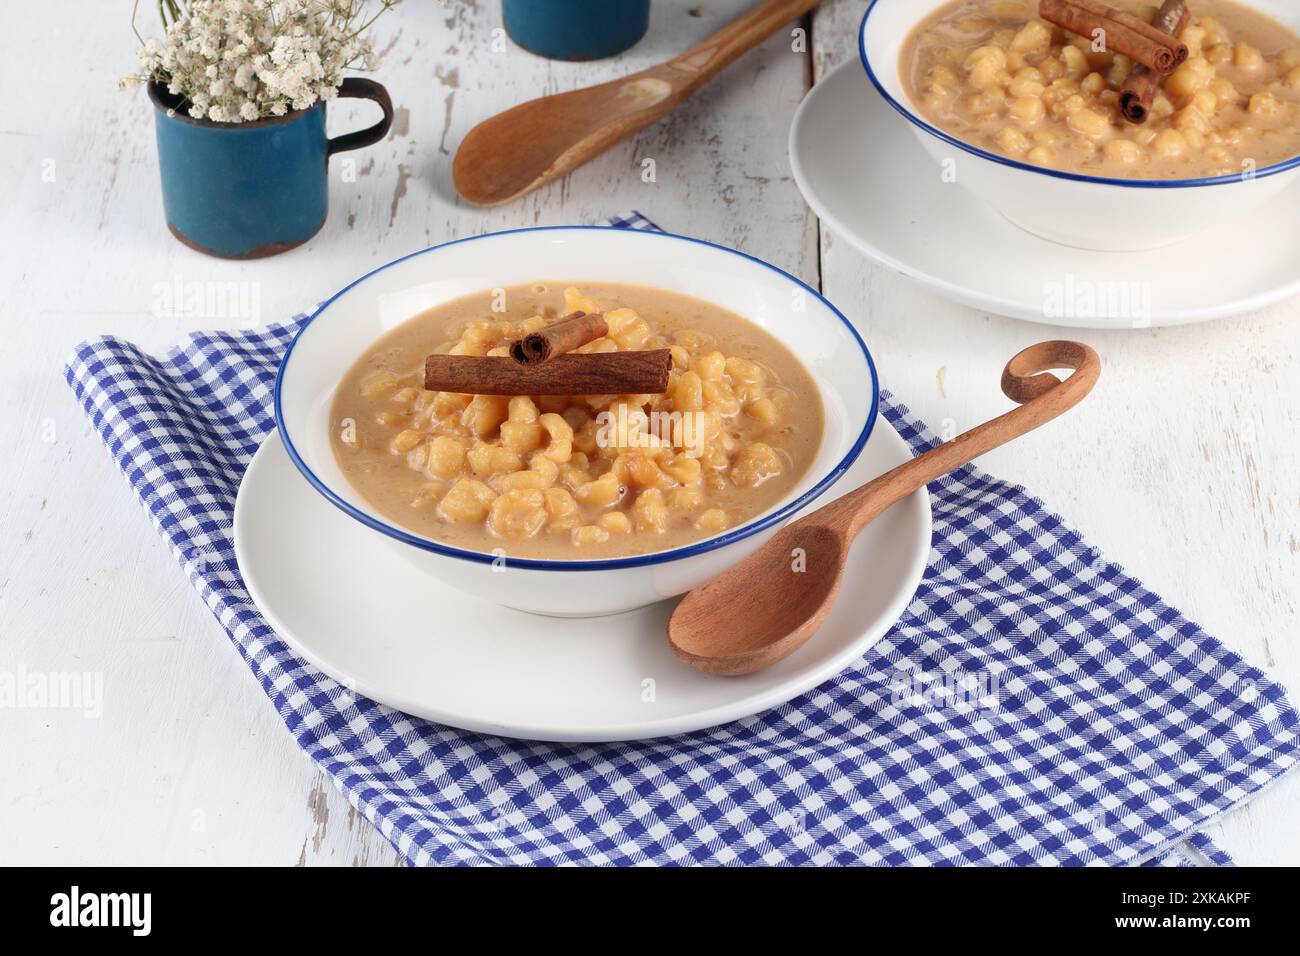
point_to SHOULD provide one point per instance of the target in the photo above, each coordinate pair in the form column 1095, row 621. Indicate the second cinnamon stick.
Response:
column 1139, row 90
column 564, row 335
column 1085, row 17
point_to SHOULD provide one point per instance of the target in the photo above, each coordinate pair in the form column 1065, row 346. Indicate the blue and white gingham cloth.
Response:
column 1094, row 724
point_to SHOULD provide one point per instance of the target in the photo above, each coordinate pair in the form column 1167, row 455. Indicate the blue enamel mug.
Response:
column 247, row 190
column 576, row 29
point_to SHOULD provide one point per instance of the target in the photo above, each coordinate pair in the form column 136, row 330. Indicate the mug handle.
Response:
column 354, row 87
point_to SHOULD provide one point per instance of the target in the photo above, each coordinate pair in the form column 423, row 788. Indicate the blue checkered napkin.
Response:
column 1035, row 704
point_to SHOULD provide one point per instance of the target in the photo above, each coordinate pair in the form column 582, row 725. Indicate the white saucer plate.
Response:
column 347, row 604
column 863, row 172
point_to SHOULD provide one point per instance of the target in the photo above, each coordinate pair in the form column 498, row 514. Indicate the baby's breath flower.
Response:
column 239, row 60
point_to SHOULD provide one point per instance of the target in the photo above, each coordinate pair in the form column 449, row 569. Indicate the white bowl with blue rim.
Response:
column 1089, row 212
column 347, row 325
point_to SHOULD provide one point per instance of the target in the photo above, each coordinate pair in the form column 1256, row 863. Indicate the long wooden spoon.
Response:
column 523, row 148
column 767, row 606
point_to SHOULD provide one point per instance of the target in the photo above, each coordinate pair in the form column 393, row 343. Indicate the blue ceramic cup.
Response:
column 247, row 190
column 576, row 29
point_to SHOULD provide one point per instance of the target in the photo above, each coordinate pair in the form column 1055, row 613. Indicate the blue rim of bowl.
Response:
column 915, row 120
column 610, row 564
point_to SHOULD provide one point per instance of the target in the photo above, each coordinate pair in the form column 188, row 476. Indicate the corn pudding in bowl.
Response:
column 1028, row 116
column 578, row 476
column 577, row 504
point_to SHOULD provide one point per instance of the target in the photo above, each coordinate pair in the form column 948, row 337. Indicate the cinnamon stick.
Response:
column 559, row 337
column 1137, row 24
column 586, row 373
column 1124, row 33
column 1139, row 90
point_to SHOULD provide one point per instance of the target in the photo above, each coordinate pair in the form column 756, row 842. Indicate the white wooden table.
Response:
column 1183, row 466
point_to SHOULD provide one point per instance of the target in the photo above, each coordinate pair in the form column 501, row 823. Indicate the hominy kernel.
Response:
column 711, row 367
column 1189, row 119
column 446, row 404
column 1013, row 141
column 521, row 437
column 682, row 469
column 688, row 394
column 763, row 410
column 1123, row 151
column 404, row 441
column 1089, row 123
column 1264, row 104
column 712, row 521
column 484, row 414
column 1183, row 83
column 1205, row 102
column 719, row 397
column 754, row 465
column 639, row 471
column 1075, row 61
column 1034, row 37
column 446, row 455
column 575, row 301
column 1171, row 143
column 649, row 512
column 684, row 499
column 1247, row 57
column 517, row 514
column 527, row 480
column 1120, row 68
column 1218, row 54
column 600, row 493
column 615, row 522
column 983, row 104
column 1028, row 110
column 1021, row 88
column 559, row 435
column 589, row 535
column 616, row 320
column 466, row 501
column 485, row 460
column 743, row 370
column 521, row 409
column 1194, row 37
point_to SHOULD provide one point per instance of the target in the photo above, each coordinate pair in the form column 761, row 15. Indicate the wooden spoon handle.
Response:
column 741, row 34
column 1026, row 379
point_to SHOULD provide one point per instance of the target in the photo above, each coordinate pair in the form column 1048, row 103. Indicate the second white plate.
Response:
column 862, row 171
column 336, row 592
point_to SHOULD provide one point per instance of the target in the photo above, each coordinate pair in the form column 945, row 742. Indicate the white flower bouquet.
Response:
column 233, row 61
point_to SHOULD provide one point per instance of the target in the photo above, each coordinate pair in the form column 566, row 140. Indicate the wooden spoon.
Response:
column 523, row 148
column 767, row 606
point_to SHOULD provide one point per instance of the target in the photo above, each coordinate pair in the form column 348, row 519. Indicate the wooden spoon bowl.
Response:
column 766, row 607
